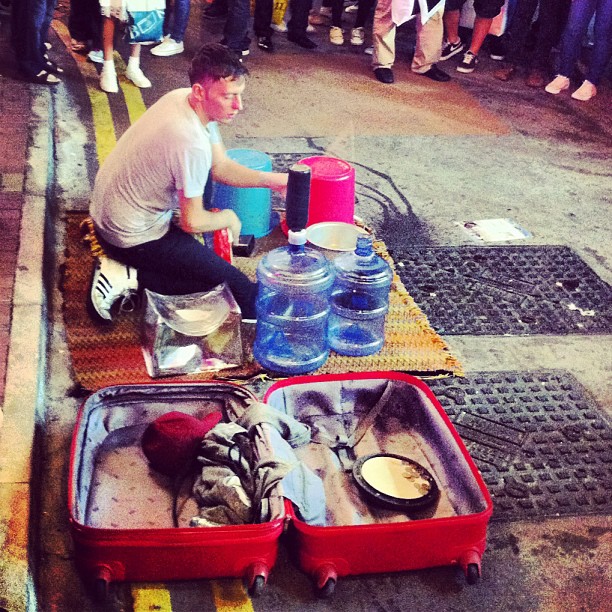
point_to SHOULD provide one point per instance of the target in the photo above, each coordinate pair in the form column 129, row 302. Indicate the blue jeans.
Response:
column 31, row 20
column 581, row 13
column 177, row 264
column 176, row 19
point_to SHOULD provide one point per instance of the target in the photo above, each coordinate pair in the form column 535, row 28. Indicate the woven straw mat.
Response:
column 111, row 354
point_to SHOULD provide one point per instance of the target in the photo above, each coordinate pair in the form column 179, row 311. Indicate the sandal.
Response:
column 77, row 45
column 45, row 78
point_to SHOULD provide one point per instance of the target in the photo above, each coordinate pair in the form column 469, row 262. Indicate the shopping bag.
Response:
column 145, row 20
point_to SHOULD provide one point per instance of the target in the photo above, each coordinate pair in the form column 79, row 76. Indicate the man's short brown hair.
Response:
column 214, row 61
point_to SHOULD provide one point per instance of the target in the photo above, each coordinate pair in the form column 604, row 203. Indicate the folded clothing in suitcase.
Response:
column 364, row 414
column 121, row 510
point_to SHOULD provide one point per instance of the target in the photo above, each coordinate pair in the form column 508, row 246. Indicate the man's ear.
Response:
column 199, row 91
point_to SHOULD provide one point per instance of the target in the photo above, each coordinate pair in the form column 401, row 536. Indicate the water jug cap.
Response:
column 364, row 245
column 297, row 237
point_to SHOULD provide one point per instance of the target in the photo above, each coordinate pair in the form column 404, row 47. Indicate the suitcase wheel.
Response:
column 328, row 588
column 325, row 578
column 257, row 586
column 256, row 578
column 101, row 584
column 472, row 573
column 470, row 562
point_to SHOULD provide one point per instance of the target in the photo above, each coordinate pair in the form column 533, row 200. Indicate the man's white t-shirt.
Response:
column 136, row 189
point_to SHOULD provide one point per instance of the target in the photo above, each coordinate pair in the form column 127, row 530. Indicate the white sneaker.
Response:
column 96, row 56
column 282, row 27
column 352, row 8
column 111, row 282
column 585, row 92
column 136, row 75
column 357, row 36
column 557, row 85
column 168, row 47
column 108, row 81
column 336, row 37
column 369, row 50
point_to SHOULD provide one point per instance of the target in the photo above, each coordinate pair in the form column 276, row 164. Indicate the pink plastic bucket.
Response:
column 332, row 190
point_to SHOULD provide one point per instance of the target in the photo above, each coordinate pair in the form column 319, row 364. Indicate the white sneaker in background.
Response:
column 136, row 75
column 108, row 80
column 557, row 85
column 357, row 36
column 96, row 56
column 336, row 37
column 282, row 27
column 585, row 92
column 168, row 47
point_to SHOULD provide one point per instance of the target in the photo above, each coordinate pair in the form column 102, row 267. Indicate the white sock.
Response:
column 133, row 62
column 108, row 66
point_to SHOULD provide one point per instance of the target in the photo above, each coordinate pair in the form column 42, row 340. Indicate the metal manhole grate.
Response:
column 542, row 445
column 506, row 290
column 281, row 162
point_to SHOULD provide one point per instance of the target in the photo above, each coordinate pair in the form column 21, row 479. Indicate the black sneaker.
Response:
column 384, row 75
column 301, row 40
column 265, row 44
column 449, row 49
column 468, row 64
column 497, row 49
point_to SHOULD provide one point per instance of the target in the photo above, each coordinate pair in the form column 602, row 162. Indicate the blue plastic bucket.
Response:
column 253, row 205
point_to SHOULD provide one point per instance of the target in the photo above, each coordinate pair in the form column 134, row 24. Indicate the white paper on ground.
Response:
column 494, row 230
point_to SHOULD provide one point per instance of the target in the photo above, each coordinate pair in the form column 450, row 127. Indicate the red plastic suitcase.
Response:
column 122, row 527
column 412, row 422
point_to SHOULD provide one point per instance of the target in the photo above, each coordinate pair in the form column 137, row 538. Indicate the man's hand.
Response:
column 194, row 219
column 278, row 182
column 234, row 226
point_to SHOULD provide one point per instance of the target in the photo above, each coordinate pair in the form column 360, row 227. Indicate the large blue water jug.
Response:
column 293, row 308
column 360, row 301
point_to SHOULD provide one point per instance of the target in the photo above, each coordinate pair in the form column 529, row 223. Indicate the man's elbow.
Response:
column 186, row 225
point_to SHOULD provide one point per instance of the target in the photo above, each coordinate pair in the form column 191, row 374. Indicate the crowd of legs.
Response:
column 542, row 38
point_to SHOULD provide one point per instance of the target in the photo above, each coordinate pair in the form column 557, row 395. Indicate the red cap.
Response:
column 171, row 442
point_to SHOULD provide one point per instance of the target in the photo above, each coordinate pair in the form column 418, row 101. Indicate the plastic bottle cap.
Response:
column 297, row 237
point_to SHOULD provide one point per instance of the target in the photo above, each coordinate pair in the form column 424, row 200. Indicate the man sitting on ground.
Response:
column 160, row 166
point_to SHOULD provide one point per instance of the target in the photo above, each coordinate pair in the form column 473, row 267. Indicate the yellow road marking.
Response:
column 133, row 98
column 230, row 595
column 149, row 597
column 104, row 128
